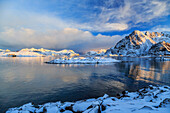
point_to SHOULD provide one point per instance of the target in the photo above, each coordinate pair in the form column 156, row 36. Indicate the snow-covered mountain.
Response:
column 37, row 53
column 139, row 43
column 3, row 50
column 51, row 52
column 100, row 52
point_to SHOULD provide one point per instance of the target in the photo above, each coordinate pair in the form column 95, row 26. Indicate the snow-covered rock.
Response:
column 151, row 99
column 138, row 43
column 82, row 60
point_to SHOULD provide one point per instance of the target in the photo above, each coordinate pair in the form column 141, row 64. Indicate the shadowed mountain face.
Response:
column 138, row 43
column 161, row 48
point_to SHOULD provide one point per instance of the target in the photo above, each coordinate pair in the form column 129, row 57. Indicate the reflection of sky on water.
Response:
column 29, row 79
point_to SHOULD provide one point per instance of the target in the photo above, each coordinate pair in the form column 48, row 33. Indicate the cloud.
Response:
column 132, row 12
column 160, row 28
column 105, row 27
column 19, row 29
column 99, row 16
column 18, row 19
column 68, row 38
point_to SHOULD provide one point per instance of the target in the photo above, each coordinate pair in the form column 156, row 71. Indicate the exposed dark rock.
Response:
column 103, row 107
column 165, row 101
column 69, row 108
column 90, row 107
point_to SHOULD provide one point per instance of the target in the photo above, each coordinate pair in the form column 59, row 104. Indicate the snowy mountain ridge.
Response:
column 51, row 52
column 139, row 43
column 32, row 52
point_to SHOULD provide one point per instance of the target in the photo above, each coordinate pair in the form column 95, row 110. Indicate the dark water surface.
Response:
column 24, row 80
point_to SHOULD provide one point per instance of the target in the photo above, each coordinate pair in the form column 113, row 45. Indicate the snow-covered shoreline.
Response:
column 151, row 99
column 82, row 60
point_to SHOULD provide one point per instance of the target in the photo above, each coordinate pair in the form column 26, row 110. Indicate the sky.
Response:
column 81, row 25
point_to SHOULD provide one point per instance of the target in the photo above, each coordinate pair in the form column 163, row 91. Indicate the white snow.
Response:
column 36, row 53
column 152, row 99
column 82, row 60
column 52, row 52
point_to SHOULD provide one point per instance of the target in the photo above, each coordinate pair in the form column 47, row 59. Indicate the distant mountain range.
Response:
column 100, row 52
column 37, row 53
column 141, row 44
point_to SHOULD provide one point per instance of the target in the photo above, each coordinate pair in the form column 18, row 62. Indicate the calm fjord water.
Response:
column 24, row 80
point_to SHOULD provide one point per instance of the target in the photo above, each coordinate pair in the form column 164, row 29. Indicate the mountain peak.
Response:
column 136, row 32
column 139, row 43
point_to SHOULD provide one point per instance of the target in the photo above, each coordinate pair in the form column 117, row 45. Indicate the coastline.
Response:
column 153, row 99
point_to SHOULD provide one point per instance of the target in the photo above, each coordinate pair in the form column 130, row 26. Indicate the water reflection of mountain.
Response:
column 26, row 60
column 148, row 71
column 130, row 76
